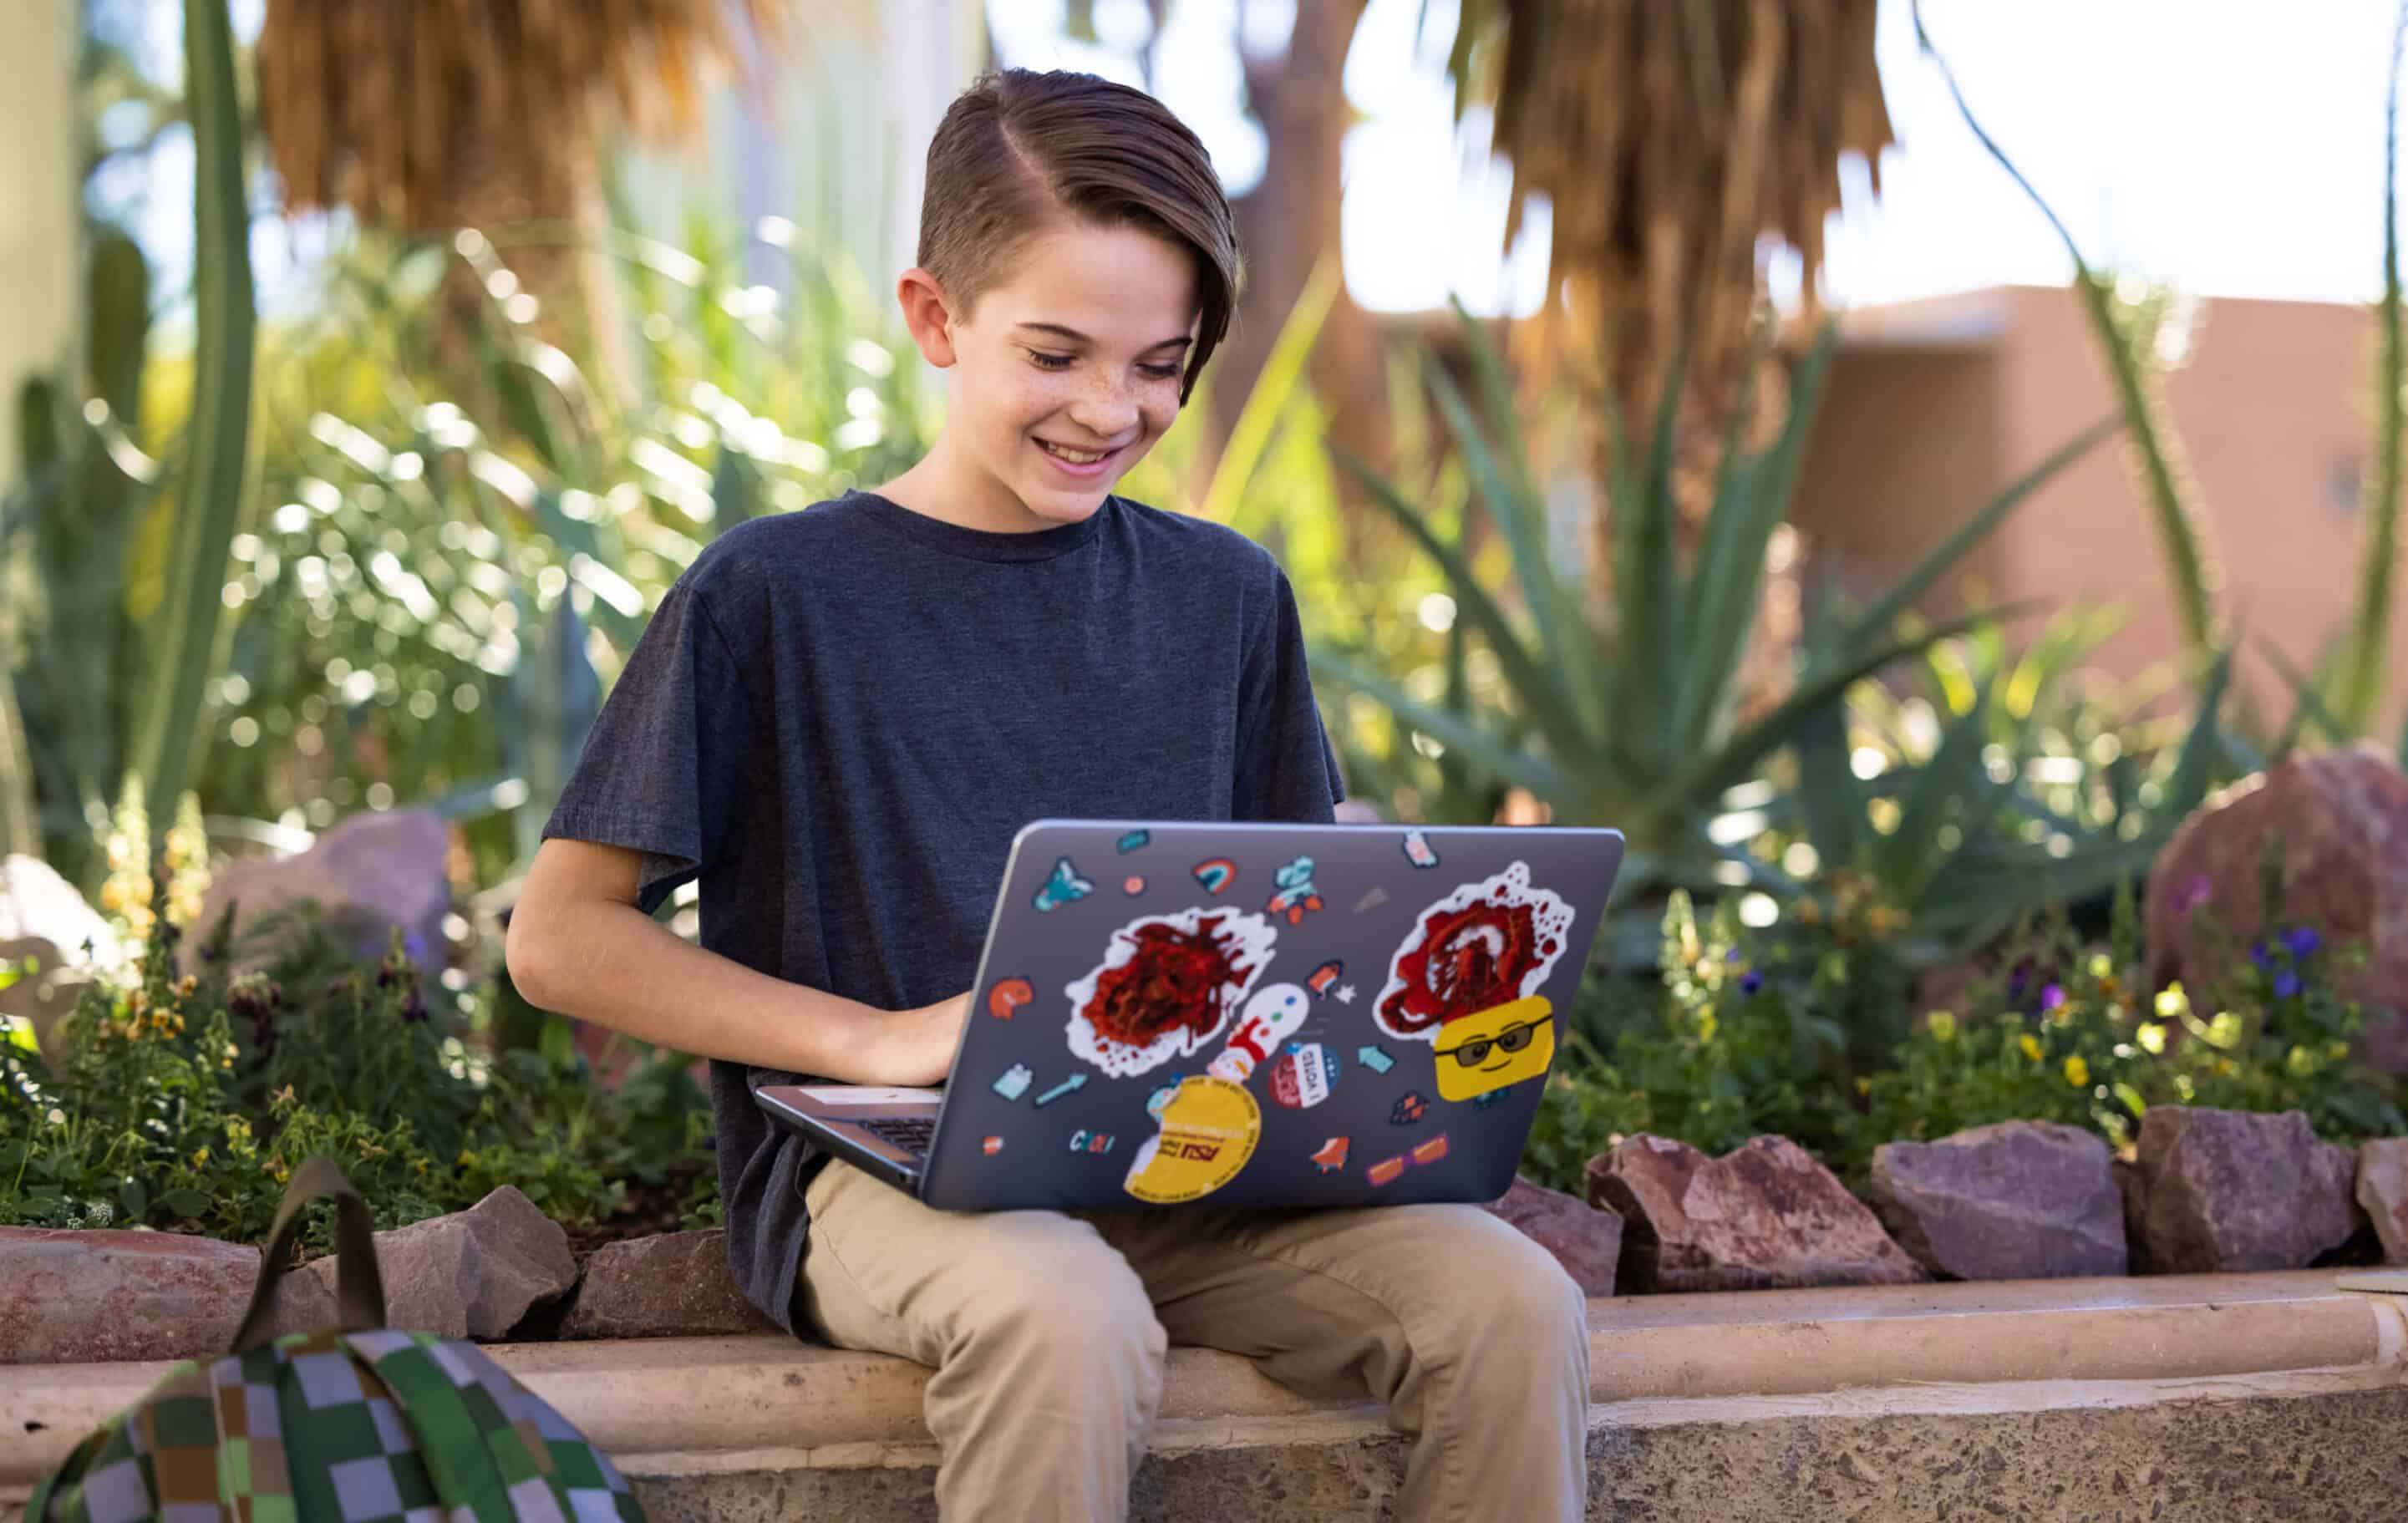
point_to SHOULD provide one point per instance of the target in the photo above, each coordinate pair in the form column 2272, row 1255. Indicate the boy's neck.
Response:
column 962, row 495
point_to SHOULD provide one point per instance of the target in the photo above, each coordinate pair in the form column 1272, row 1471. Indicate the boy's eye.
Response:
column 1044, row 361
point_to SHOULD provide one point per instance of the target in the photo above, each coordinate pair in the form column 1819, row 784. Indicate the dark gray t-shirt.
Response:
column 839, row 718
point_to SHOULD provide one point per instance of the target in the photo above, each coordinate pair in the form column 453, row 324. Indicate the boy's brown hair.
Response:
column 1021, row 150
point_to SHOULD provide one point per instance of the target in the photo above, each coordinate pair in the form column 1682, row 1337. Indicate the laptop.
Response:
column 1254, row 1014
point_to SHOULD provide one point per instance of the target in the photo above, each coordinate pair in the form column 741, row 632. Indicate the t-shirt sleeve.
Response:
column 662, row 769
column 1285, row 769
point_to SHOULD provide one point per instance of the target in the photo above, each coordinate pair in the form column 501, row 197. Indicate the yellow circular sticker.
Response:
column 1208, row 1130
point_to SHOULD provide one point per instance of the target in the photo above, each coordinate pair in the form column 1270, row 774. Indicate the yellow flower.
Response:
column 2339, row 1049
column 2152, row 1035
column 2100, row 967
column 2077, row 1072
column 2173, row 1004
column 1942, row 1024
column 2031, row 1047
column 1707, row 1026
column 201, row 1157
column 283, row 1096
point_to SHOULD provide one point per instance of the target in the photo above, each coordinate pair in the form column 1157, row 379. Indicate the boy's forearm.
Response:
column 618, row 968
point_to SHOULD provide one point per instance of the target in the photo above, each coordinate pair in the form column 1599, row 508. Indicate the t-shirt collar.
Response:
column 981, row 544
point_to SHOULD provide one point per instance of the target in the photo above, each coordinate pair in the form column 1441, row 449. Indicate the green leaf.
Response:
column 2194, row 769
column 1538, row 693
column 1542, row 777
column 1751, row 501
column 1566, row 642
column 1902, row 595
column 184, row 1204
column 1908, row 855
column 215, row 472
column 1282, row 372
column 136, row 1197
column 557, row 1044
column 2310, row 708
column 1731, row 765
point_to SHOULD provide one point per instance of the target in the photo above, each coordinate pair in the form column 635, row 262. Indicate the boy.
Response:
column 836, row 721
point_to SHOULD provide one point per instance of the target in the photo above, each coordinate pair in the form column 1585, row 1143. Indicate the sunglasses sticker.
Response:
column 1388, row 1171
column 1008, row 996
column 1166, row 986
column 1484, row 946
column 1481, row 1056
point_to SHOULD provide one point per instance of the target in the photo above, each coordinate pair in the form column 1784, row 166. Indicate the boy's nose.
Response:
column 1108, row 412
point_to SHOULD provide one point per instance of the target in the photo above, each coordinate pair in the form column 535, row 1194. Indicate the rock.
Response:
column 1763, row 1216
column 473, row 1273
column 2017, row 1201
column 1585, row 1241
column 668, row 1285
column 371, row 873
column 2382, row 1193
column 2342, row 816
column 2224, row 1191
column 69, row 1297
column 2135, row 1201
column 43, row 919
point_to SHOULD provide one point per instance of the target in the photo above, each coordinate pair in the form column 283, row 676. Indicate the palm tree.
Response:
column 1669, row 139
column 431, row 115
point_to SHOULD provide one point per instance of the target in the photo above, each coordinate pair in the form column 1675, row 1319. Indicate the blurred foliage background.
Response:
column 386, row 543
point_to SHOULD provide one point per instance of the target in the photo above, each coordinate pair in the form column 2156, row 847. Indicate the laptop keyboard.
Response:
column 911, row 1133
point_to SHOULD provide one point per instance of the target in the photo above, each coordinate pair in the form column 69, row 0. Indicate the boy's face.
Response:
column 1065, row 373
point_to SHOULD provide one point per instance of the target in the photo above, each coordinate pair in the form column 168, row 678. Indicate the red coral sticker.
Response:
column 1166, row 988
column 1484, row 946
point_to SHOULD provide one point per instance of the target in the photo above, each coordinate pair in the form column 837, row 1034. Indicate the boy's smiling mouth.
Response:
column 1077, row 462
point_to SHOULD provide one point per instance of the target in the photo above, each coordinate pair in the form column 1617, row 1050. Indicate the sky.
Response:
column 2199, row 143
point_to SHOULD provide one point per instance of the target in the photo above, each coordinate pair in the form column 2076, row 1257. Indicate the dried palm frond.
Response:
column 388, row 106
column 1669, row 139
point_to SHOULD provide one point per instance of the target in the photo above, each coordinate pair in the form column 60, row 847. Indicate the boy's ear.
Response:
column 928, row 317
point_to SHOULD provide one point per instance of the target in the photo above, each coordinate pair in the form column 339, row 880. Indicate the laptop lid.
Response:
column 1265, row 1014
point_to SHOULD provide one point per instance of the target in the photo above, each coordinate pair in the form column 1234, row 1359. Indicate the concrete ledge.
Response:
column 1900, row 1378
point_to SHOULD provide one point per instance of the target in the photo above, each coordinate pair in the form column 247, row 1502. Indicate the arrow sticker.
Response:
column 1070, row 1085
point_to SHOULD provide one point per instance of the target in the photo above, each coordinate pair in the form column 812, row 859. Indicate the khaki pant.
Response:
column 1047, row 1331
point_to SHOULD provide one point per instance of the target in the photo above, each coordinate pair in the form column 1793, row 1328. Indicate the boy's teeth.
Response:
column 1074, row 457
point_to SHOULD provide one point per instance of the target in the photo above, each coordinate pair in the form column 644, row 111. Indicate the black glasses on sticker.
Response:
column 1511, row 1039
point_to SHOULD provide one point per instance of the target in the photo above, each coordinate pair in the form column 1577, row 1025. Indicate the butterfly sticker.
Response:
column 1064, row 887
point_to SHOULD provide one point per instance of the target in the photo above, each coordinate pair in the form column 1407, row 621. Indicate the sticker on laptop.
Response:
column 1210, row 1121
column 1485, row 945
column 1008, row 996
column 1065, row 886
column 1388, row 1171
column 1481, row 1055
column 1216, row 873
column 1295, row 894
column 1168, row 984
column 1303, row 1076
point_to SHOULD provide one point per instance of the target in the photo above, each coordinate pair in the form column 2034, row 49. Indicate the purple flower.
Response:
column 2051, row 995
column 2196, row 890
column 2302, row 940
column 1732, row 955
column 2287, row 984
column 2261, row 955
column 414, row 947
column 1750, row 981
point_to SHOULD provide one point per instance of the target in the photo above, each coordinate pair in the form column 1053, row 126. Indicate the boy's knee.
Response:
column 1073, row 1322
column 1528, row 1308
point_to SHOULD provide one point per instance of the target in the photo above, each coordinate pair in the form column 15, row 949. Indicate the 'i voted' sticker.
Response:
column 1303, row 1075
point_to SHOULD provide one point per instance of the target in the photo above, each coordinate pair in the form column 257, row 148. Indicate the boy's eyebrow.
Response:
column 1074, row 335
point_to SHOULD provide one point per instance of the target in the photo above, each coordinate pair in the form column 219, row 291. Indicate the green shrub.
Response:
column 1743, row 1036
column 184, row 1101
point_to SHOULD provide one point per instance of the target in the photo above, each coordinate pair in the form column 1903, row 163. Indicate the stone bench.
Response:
column 2219, row 1397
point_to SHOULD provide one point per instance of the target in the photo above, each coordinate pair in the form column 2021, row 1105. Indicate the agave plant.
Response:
column 1639, row 726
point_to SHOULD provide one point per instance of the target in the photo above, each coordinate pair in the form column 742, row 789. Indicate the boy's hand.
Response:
column 917, row 1046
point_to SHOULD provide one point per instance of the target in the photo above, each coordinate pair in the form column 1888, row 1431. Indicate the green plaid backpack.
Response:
column 358, row 1424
